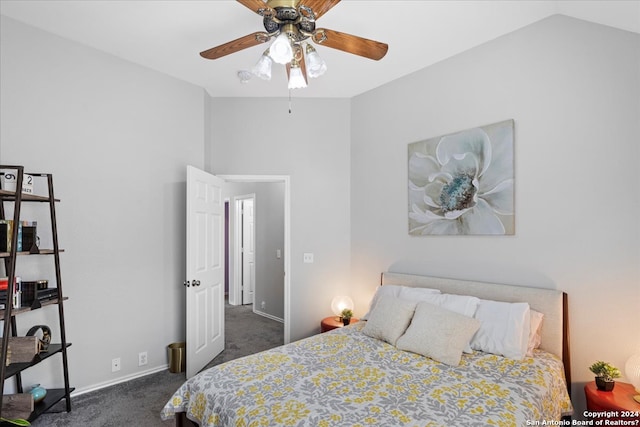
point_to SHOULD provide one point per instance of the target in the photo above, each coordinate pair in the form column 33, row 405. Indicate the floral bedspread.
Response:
column 345, row 378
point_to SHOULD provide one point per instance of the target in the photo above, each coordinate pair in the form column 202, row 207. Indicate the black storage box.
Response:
column 29, row 289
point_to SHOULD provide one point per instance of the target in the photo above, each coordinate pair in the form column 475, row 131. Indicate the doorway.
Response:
column 270, row 259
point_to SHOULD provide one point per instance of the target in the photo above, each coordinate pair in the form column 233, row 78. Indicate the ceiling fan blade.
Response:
column 320, row 7
column 233, row 46
column 352, row 44
column 254, row 5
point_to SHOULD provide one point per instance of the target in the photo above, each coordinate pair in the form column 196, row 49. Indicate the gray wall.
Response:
column 573, row 89
column 117, row 138
column 269, row 224
column 258, row 136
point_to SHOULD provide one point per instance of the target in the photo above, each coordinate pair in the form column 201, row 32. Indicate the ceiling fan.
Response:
column 293, row 23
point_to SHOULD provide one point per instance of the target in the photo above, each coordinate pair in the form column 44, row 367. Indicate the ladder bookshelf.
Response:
column 9, row 314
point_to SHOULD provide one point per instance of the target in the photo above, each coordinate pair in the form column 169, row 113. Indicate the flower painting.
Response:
column 463, row 183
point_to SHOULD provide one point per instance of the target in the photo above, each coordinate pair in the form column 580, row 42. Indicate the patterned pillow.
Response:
column 389, row 319
column 403, row 292
column 438, row 333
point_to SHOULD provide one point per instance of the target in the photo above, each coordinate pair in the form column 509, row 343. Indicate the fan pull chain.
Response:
column 289, row 101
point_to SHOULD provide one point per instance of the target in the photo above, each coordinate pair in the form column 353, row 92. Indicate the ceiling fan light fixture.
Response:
column 262, row 68
column 316, row 66
column 289, row 23
column 281, row 50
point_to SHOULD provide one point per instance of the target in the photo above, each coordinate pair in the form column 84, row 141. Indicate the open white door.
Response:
column 248, row 251
column 204, row 283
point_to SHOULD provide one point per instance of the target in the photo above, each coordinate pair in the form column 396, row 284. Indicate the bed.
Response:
column 370, row 373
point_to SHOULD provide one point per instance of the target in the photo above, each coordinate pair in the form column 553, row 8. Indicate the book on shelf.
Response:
column 17, row 292
column 32, row 298
column 27, row 235
column 6, row 231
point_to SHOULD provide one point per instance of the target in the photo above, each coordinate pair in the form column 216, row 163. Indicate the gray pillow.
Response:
column 438, row 333
column 389, row 319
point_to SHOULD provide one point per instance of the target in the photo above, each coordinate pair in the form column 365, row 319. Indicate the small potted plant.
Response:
column 346, row 316
column 605, row 375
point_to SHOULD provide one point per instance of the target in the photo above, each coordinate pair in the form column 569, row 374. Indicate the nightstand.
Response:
column 333, row 322
column 619, row 401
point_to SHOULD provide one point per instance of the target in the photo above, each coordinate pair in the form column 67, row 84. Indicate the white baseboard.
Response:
column 267, row 315
column 124, row 379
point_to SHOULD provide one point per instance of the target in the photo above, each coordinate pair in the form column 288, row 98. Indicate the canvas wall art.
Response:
column 463, row 183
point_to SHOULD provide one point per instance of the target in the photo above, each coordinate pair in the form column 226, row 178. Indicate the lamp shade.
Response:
column 341, row 302
column 281, row 50
column 296, row 78
column 632, row 370
column 262, row 68
column 316, row 66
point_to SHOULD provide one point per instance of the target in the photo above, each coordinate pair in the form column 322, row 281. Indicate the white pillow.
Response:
column 417, row 294
column 504, row 328
column 438, row 333
column 410, row 294
column 389, row 319
column 534, row 332
column 462, row 304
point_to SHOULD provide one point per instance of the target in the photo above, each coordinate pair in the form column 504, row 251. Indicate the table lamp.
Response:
column 339, row 303
column 632, row 369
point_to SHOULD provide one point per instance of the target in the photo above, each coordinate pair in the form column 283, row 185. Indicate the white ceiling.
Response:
column 167, row 36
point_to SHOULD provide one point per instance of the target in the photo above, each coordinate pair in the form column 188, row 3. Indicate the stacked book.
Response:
column 27, row 235
column 29, row 294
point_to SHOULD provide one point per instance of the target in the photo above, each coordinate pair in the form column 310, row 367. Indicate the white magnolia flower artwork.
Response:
column 463, row 183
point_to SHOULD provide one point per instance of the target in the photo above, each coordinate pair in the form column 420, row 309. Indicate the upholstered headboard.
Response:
column 552, row 303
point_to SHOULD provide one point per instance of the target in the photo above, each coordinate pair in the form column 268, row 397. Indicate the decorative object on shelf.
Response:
column 463, row 183
column 346, row 316
column 632, row 370
column 605, row 375
column 38, row 392
column 45, row 340
column 21, row 350
column 339, row 303
column 9, row 182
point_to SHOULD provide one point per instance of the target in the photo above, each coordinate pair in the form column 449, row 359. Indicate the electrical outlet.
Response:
column 307, row 258
column 263, row 305
column 142, row 358
column 115, row 364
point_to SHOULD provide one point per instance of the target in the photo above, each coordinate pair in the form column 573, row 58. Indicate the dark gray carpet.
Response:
column 138, row 402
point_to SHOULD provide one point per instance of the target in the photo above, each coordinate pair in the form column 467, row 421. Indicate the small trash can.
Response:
column 177, row 357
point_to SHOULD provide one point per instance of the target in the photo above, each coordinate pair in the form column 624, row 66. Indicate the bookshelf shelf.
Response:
column 41, row 252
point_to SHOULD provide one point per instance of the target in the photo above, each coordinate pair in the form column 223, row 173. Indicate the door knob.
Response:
column 196, row 283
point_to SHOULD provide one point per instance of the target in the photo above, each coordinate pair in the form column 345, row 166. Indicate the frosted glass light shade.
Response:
column 632, row 370
column 296, row 79
column 262, row 68
column 281, row 50
column 339, row 303
column 316, row 66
